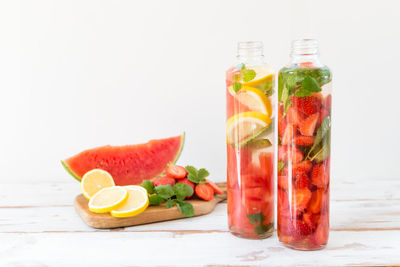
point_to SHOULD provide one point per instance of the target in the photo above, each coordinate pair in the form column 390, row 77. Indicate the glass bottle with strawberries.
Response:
column 304, row 128
column 250, row 143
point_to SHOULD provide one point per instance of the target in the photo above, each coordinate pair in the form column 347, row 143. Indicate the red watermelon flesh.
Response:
column 130, row 164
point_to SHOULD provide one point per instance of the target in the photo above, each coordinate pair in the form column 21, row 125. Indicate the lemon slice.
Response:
column 95, row 180
column 255, row 99
column 136, row 203
column 264, row 74
column 108, row 199
column 246, row 126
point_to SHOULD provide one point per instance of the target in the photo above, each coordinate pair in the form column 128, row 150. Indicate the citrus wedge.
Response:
column 136, row 203
column 255, row 99
column 95, row 180
column 245, row 126
column 108, row 199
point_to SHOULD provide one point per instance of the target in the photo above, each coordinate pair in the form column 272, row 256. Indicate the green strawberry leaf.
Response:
column 185, row 208
column 165, row 191
column 149, row 186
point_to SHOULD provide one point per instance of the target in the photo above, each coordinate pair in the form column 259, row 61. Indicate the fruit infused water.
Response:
column 304, row 129
column 250, row 143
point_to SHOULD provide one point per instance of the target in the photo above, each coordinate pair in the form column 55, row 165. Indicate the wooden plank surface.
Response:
column 38, row 226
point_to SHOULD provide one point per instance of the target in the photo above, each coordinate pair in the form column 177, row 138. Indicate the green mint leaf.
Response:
column 170, row 203
column 301, row 92
column 255, row 218
column 281, row 164
column 191, row 170
column 182, row 190
column 193, row 179
column 322, row 131
column 310, row 84
column 165, row 191
column 262, row 228
column 202, row 174
column 155, row 200
column 149, row 186
column 236, row 86
column 248, row 75
column 237, row 77
column 185, row 208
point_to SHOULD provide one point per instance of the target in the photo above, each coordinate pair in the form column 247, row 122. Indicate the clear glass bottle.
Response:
column 304, row 128
column 250, row 143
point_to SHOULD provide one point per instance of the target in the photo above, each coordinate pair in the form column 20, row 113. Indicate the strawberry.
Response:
column 308, row 104
column 321, row 234
column 304, row 166
column 316, row 201
column 301, row 229
column 302, row 140
column 216, row 188
column 189, row 183
column 176, row 171
column 301, row 180
column 286, row 154
column 164, row 181
column 301, row 198
column 327, row 102
column 297, row 156
column 307, row 126
column 287, row 137
column 311, row 219
column 320, row 175
column 204, row 191
column 283, row 182
column 293, row 116
column 323, row 113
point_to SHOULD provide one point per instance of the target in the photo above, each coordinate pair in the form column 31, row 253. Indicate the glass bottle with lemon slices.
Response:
column 250, row 143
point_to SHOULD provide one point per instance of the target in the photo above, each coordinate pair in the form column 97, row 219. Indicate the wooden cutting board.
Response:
column 150, row 215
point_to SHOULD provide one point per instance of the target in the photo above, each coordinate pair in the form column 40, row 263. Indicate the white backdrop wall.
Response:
column 79, row 74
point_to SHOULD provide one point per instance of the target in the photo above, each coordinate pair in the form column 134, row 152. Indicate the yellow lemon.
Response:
column 95, row 180
column 136, row 203
column 108, row 199
column 255, row 100
column 245, row 126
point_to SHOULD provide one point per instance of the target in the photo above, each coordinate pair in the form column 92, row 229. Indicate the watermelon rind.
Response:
column 73, row 174
column 68, row 169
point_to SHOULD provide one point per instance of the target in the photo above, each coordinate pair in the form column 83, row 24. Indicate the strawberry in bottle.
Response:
column 304, row 127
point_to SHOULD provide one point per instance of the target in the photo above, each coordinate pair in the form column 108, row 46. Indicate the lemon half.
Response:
column 95, row 180
column 245, row 126
column 136, row 203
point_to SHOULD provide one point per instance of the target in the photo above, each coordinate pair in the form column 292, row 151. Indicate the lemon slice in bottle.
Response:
column 245, row 126
column 108, row 199
column 136, row 203
column 95, row 180
column 255, row 99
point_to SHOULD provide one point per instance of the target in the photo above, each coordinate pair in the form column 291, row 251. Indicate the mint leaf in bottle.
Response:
column 248, row 75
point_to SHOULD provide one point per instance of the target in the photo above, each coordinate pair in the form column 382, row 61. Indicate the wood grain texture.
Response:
column 150, row 215
column 39, row 226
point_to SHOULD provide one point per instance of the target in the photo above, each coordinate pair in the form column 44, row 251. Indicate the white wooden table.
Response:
column 39, row 226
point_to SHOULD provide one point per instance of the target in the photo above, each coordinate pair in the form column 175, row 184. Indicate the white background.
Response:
column 79, row 74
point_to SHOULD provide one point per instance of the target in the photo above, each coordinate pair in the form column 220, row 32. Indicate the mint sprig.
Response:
column 197, row 176
column 258, row 220
column 248, row 75
column 172, row 195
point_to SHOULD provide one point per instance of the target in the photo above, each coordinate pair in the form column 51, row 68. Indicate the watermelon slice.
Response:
column 130, row 164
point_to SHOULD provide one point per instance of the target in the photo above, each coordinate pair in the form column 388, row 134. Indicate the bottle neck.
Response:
column 250, row 53
column 305, row 50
